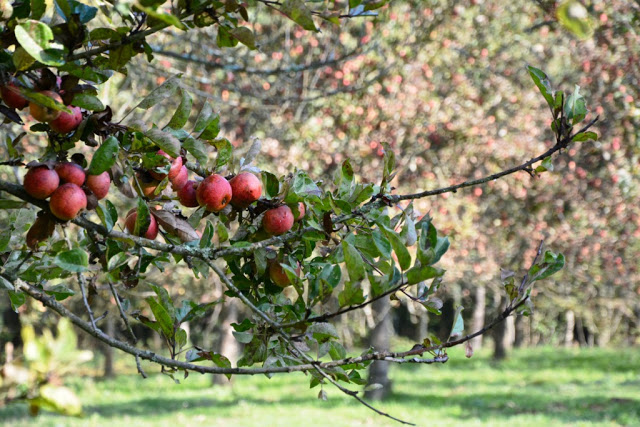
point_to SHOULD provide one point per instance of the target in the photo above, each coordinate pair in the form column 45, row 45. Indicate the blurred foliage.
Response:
column 36, row 376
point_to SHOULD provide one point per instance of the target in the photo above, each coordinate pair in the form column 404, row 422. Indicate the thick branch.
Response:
column 51, row 303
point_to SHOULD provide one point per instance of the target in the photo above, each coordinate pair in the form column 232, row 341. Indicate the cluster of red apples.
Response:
column 70, row 187
column 59, row 121
column 215, row 192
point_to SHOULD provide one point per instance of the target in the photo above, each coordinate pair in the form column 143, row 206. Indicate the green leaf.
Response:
column 181, row 338
column 88, row 102
column 575, row 108
column 104, row 157
column 74, row 260
column 162, row 317
column 225, row 151
column 35, row 37
column 68, row 8
column 143, row 218
column 11, row 204
column 60, row 292
column 323, row 331
column 196, row 148
column 271, row 184
column 206, row 119
column 104, row 34
column 244, row 36
column 224, row 38
column 17, row 299
column 458, row 323
column 542, row 82
column 108, row 215
column 243, row 337
column 181, row 116
column 164, row 17
column 22, row 60
column 382, row 243
column 404, row 258
column 351, row 295
column 164, row 91
column 419, row 274
column 546, row 165
column 38, row 8
column 585, row 136
column 299, row 13
column 442, row 246
column 167, row 142
column 551, row 264
column 223, row 233
column 353, row 261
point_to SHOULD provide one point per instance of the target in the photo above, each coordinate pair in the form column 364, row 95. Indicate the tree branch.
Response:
column 523, row 167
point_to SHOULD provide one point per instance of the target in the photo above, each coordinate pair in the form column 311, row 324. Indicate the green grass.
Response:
column 535, row 387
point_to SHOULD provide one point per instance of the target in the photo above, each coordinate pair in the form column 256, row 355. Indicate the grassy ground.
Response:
column 535, row 387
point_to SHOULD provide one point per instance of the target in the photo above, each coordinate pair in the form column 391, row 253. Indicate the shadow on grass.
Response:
column 490, row 407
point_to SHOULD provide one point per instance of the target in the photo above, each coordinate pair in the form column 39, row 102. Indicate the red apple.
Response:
column 301, row 212
column 99, row 184
column 42, row 113
column 187, row 194
column 152, row 230
column 67, row 122
column 246, row 189
column 11, row 96
column 214, row 193
column 180, row 179
column 67, row 201
column 278, row 221
column 174, row 170
column 71, row 172
column 279, row 276
column 40, row 182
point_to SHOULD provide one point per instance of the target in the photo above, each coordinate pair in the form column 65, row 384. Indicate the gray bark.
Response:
column 477, row 321
column 570, row 318
column 379, row 340
column 228, row 346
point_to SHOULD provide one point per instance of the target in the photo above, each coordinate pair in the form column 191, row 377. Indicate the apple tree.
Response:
column 95, row 200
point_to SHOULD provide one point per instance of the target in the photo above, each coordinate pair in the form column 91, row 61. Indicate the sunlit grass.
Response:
column 535, row 387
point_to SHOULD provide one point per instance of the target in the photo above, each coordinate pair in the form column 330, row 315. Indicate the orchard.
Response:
column 101, row 199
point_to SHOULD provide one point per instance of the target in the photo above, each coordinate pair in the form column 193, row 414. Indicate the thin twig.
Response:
column 86, row 302
column 122, row 313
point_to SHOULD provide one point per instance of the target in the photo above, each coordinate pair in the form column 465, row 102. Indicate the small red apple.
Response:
column 40, row 182
column 71, row 172
column 246, row 189
column 11, row 96
column 67, row 122
column 278, row 220
column 301, row 212
column 278, row 275
column 214, row 193
column 152, row 230
column 67, row 201
column 187, row 195
column 174, row 170
column 99, row 184
column 180, row 179
column 42, row 113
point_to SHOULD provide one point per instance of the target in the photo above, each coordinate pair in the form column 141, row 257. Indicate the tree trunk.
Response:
column 477, row 321
column 500, row 334
column 521, row 332
column 228, row 346
column 379, row 340
column 107, row 350
column 570, row 318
